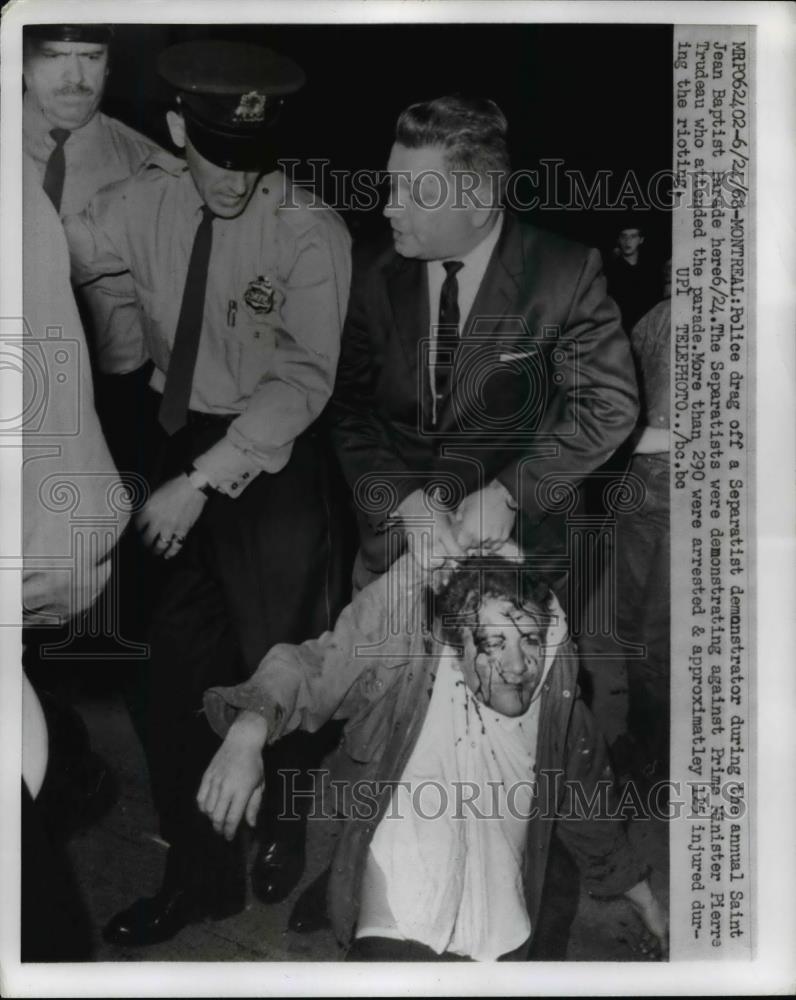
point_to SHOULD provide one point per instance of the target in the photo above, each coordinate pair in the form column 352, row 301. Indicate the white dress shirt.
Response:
column 469, row 279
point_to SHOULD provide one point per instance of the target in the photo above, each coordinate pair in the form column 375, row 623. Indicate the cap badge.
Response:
column 259, row 296
column 251, row 108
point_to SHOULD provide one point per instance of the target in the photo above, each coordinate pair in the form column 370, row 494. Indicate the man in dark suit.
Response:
column 484, row 370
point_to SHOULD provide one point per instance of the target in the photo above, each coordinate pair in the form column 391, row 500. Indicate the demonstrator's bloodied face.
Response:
column 503, row 663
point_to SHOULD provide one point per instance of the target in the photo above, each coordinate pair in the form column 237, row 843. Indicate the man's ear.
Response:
column 483, row 205
column 176, row 124
column 468, row 646
column 480, row 216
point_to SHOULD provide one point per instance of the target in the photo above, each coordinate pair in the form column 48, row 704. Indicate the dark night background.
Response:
column 598, row 97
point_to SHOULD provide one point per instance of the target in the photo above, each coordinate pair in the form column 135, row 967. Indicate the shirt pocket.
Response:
column 250, row 348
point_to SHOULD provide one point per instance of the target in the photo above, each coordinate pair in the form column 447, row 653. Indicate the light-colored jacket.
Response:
column 376, row 669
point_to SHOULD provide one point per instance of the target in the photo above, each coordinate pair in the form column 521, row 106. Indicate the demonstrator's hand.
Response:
column 233, row 783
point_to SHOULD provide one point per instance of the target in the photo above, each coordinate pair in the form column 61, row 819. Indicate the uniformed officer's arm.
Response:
column 100, row 258
column 98, row 237
column 115, row 323
column 298, row 383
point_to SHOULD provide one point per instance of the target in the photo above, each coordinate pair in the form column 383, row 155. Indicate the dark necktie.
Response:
column 55, row 170
column 448, row 327
column 179, row 379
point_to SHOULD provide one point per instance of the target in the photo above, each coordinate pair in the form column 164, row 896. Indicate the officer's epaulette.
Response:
column 308, row 210
column 161, row 159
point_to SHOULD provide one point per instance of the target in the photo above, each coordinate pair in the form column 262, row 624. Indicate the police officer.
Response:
column 243, row 290
column 77, row 150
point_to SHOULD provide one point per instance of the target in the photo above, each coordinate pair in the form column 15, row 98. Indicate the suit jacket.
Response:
column 543, row 389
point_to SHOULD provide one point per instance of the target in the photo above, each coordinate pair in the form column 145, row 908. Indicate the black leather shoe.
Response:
column 310, row 912
column 161, row 917
column 277, row 869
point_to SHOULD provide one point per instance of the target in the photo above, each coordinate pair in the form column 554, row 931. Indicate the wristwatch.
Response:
column 198, row 480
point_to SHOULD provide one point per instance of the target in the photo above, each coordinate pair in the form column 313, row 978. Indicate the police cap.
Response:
column 92, row 34
column 230, row 93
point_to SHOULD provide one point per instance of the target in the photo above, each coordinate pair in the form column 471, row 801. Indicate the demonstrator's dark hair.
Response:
column 456, row 605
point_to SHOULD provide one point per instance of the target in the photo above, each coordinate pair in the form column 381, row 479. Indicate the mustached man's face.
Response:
column 67, row 80
column 504, row 655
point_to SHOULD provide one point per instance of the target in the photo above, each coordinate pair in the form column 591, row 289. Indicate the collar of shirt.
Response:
column 469, row 278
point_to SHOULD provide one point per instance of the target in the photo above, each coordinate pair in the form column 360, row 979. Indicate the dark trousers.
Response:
column 257, row 570
column 382, row 949
column 54, row 921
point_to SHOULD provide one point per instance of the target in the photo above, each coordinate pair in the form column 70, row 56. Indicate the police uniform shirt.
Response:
column 277, row 292
column 100, row 152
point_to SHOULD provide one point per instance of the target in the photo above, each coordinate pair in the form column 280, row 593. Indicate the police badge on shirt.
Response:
column 259, row 299
column 259, row 295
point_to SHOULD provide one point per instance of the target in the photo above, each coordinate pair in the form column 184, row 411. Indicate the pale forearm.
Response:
column 249, row 730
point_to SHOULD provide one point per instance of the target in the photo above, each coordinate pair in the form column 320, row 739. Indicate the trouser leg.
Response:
column 277, row 551
column 382, row 949
column 256, row 570
column 54, row 921
column 193, row 647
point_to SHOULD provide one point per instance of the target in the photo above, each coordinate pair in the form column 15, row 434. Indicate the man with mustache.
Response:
column 466, row 748
column 242, row 288
column 77, row 150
